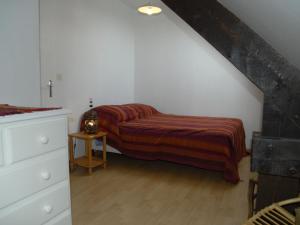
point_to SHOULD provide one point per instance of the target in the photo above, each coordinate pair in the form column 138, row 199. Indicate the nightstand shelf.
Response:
column 84, row 162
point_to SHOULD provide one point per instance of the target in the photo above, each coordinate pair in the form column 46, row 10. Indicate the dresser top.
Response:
column 12, row 113
column 6, row 109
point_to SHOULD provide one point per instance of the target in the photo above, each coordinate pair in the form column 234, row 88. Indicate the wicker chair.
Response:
column 275, row 214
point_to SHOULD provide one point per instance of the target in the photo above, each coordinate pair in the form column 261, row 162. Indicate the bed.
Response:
column 140, row 131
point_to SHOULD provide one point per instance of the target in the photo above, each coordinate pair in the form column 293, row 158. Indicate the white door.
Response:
column 19, row 53
column 51, row 94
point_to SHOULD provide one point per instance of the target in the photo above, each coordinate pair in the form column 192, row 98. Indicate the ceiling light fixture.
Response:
column 149, row 10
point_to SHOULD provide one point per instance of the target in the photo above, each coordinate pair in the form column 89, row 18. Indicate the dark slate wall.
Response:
column 254, row 57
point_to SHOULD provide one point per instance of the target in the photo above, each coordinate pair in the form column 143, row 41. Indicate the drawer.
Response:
column 30, row 139
column 21, row 180
column 62, row 219
column 276, row 149
column 285, row 168
column 287, row 150
column 39, row 208
column 276, row 156
column 263, row 148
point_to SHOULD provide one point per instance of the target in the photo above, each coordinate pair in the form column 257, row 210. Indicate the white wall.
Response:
column 19, row 52
column 106, row 50
column 276, row 21
column 87, row 48
column 178, row 72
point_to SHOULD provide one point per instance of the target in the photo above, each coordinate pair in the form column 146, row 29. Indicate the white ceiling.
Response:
column 276, row 21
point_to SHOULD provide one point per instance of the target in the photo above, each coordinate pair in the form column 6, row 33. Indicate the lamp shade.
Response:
column 149, row 10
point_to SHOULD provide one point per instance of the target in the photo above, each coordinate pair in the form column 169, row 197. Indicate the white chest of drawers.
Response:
column 34, row 177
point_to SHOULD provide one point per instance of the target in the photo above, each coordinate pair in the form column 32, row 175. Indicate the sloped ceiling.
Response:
column 276, row 21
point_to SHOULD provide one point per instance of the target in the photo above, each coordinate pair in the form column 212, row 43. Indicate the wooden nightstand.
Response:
column 87, row 161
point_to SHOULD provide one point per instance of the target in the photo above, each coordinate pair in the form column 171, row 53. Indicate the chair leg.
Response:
column 251, row 193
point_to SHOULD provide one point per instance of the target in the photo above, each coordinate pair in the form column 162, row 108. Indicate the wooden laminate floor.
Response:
column 136, row 192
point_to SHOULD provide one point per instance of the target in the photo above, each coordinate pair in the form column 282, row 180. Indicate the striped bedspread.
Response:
column 6, row 109
column 204, row 142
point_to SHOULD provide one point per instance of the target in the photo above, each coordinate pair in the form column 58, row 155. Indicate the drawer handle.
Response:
column 270, row 146
column 44, row 140
column 48, row 209
column 293, row 170
column 46, row 175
